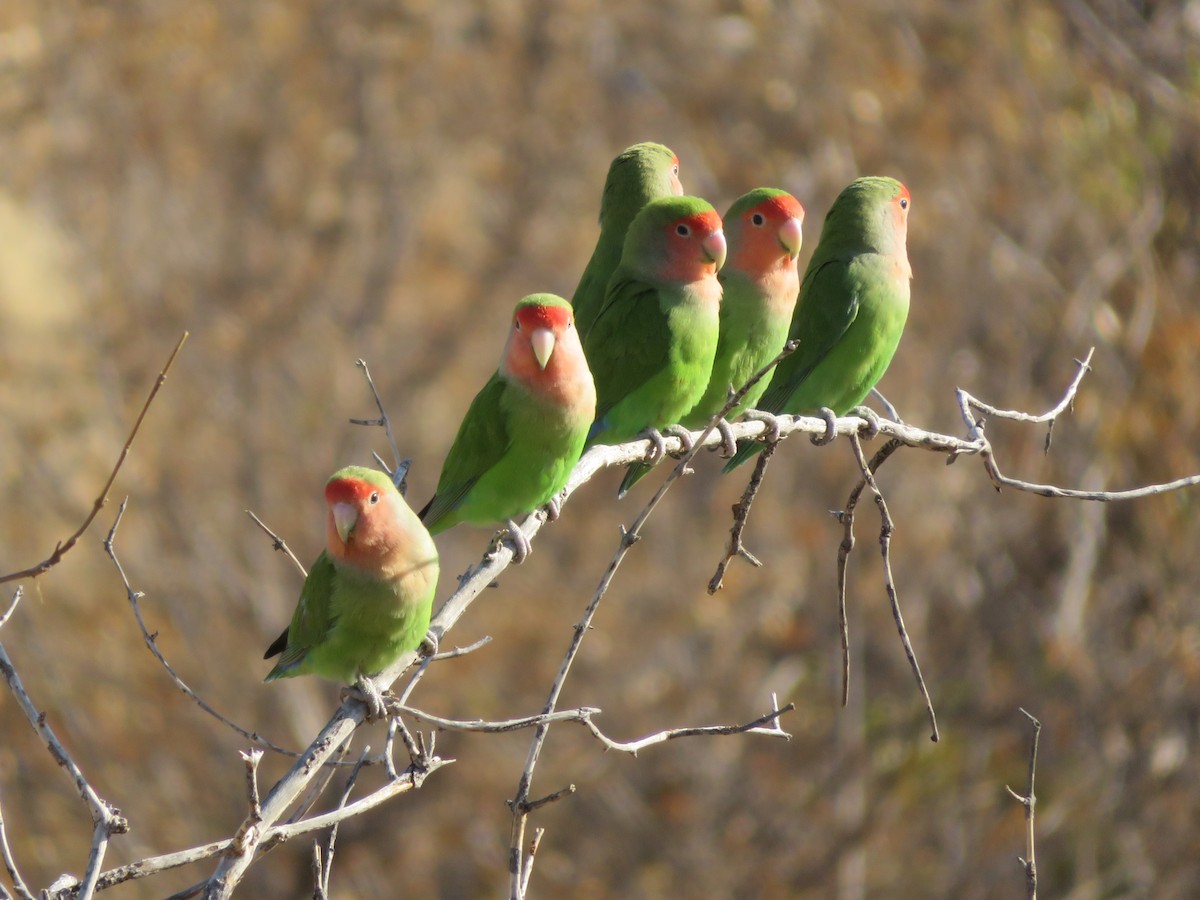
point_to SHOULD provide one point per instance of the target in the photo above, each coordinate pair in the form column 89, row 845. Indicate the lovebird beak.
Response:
column 542, row 340
column 345, row 516
column 714, row 247
column 791, row 235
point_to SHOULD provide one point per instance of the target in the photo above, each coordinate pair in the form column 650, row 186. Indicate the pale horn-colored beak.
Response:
column 345, row 517
column 542, row 341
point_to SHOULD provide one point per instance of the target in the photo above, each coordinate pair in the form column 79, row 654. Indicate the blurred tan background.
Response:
column 302, row 184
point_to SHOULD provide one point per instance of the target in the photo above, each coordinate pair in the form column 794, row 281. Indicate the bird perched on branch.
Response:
column 636, row 176
column 852, row 306
column 524, row 432
column 652, row 345
column 367, row 598
column 760, row 281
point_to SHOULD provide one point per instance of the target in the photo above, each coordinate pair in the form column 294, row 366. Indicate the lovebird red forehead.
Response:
column 555, row 318
column 348, row 490
column 904, row 194
column 702, row 222
column 785, row 206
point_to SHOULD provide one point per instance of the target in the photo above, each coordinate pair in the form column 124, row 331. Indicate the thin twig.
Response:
column 331, row 845
column 10, row 863
column 462, row 651
column 271, row 837
column 1029, row 801
column 12, row 606
column 581, row 714
column 532, row 854
column 886, row 529
column 151, row 641
column 383, row 421
column 61, row 549
column 766, row 724
column 741, row 512
column 106, row 819
column 252, row 759
column 278, row 543
column 846, row 517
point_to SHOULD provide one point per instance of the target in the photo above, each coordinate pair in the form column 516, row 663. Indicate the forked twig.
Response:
column 886, row 529
column 61, row 549
column 151, row 641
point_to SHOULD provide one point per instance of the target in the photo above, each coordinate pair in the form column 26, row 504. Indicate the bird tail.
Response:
column 633, row 475
column 746, row 450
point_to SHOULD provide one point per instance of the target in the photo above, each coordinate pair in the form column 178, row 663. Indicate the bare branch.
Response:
column 151, row 641
column 1029, row 801
column 278, row 543
column 886, row 528
column 581, row 714
column 741, row 512
column 411, row 779
column 10, row 864
column 63, row 547
column 767, row 724
column 106, row 819
column 846, row 517
column 12, row 606
column 401, row 468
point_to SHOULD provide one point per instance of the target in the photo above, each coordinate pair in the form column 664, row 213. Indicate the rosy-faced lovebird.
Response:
column 367, row 598
column 760, row 281
column 852, row 307
column 524, row 432
column 652, row 345
column 638, row 175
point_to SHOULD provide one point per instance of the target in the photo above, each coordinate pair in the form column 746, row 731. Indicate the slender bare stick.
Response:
column 886, row 529
column 61, row 549
column 105, row 818
column 386, row 423
column 151, row 641
column 846, row 517
column 10, row 864
column 278, row 543
column 273, row 836
column 1029, row 801
column 766, row 724
column 12, row 606
column 741, row 512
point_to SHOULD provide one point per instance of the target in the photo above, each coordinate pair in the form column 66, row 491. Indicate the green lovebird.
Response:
column 652, row 345
column 524, row 432
column 852, row 307
column 367, row 598
column 638, row 175
column 761, row 281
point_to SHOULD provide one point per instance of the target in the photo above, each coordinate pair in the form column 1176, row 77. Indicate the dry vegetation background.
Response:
column 300, row 184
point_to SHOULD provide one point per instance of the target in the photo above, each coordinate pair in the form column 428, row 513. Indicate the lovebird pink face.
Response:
column 545, row 355
column 769, row 233
column 360, row 525
column 695, row 247
column 898, row 208
column 676, row 184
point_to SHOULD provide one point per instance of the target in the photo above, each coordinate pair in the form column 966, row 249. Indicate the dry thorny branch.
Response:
column 264, row 825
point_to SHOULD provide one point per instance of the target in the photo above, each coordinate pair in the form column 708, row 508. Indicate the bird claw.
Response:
column 658, row 447
column 521, row 548
column 771, row 435
column 553, row 508
column 830, row 419
column 728, row 445
column 685, row 440
column 871, row 428
column 365, row 690
column 429, row 644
